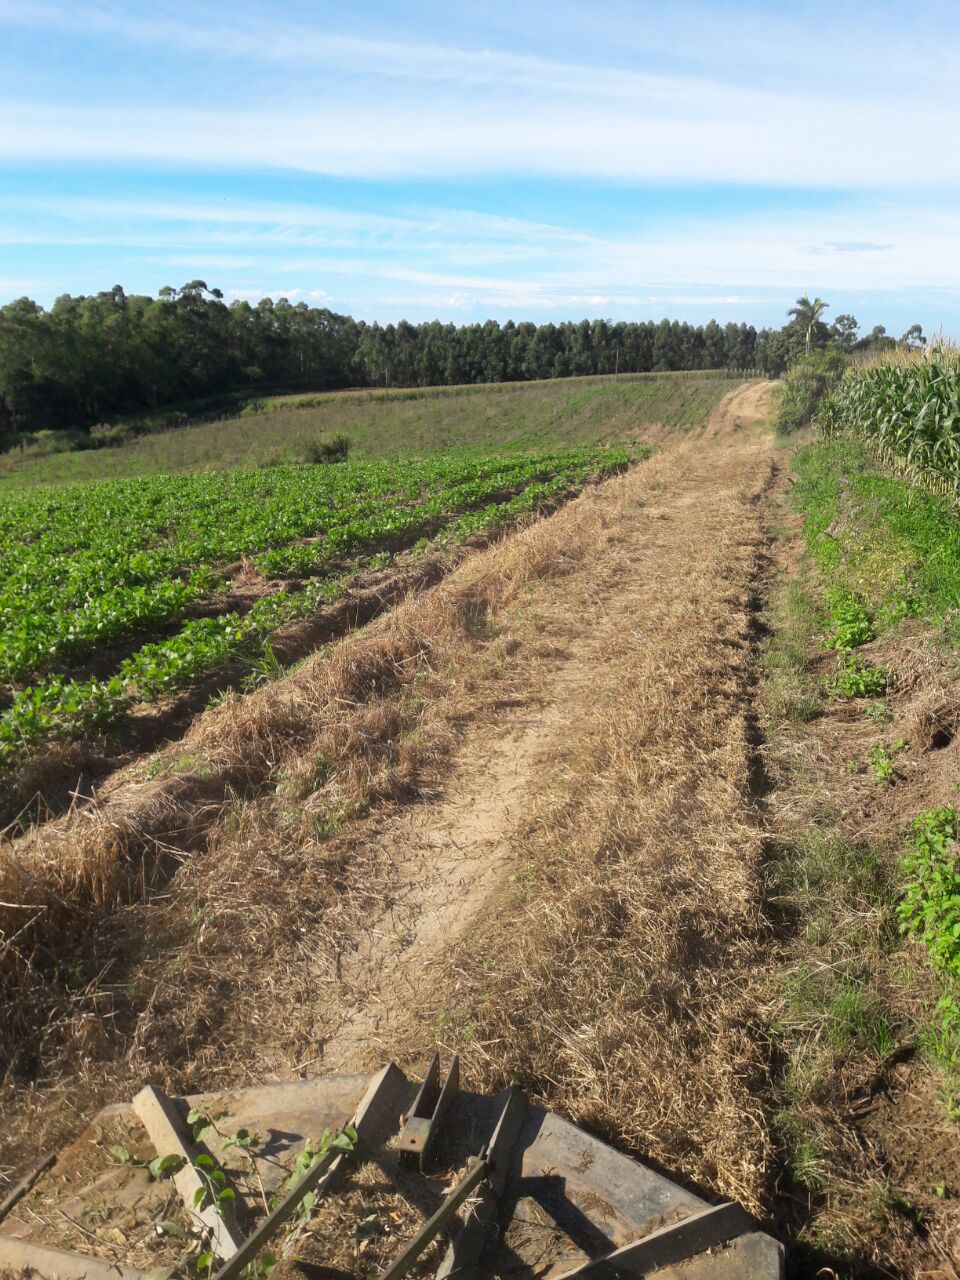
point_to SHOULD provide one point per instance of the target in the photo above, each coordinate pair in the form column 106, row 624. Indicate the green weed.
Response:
column 849, row 625
column 878, row 712
column 882, row 760
column 929, row 911
column 334, row 449
column 802, row 1149
column 857, row 678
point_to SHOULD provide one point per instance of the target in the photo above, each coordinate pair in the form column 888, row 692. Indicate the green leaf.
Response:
column 165, row 1166
column 168, row 1228
column 366, row 1228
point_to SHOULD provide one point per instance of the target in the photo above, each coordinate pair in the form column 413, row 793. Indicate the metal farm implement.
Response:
column 501, row 1188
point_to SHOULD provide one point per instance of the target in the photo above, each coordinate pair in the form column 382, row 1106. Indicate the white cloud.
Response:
column 346, row 105
column 254, row 295
column 314, row 48
column 211, row 262
column 17, row 286
column 461, row 254
column 706, row 135
column 696, row 300
column 458, row 301
column 849, row 246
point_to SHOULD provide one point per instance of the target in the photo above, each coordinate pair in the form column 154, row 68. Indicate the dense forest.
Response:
column 88, row 360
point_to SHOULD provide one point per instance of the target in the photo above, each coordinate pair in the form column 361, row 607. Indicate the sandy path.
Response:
column 454, row 855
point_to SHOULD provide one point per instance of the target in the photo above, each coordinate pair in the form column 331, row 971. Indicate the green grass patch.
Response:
column 390, row 424
column 850, row 998
column 877, row 539
column 793, row 618
column 887, row 550
column 837, row 901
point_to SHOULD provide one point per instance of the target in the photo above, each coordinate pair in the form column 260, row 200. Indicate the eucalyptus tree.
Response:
column 844, row 331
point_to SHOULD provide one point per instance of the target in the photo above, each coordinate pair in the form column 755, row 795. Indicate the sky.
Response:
column 461, row 161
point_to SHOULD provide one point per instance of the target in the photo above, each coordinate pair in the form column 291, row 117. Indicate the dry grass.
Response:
column 131, row 924
column 623, row 989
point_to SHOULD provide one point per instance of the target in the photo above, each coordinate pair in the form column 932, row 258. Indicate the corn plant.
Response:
column 907, row 410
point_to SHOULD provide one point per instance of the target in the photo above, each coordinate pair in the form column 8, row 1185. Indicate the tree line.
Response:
column 92, row 359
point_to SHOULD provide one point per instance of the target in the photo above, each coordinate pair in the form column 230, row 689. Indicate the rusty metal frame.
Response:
column 425, row 1119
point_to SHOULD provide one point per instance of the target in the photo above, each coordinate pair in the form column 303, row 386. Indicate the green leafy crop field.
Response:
column 103, row 583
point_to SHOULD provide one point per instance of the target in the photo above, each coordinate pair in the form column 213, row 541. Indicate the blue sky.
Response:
column 541, row 161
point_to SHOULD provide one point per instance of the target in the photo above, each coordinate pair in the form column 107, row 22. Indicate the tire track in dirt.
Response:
column 454, row 855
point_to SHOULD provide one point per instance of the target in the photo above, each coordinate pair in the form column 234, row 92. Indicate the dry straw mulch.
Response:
column 624, row 988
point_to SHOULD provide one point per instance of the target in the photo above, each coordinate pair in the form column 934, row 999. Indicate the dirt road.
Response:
column 633, row 670
column 521, row 815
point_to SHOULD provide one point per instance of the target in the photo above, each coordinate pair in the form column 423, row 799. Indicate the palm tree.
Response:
column 807, row 314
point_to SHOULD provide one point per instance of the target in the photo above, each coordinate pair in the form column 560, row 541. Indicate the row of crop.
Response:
column 63, row 708
column 908, row 411
column 58, row 606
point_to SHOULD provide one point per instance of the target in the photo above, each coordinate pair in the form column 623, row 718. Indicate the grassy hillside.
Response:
column 387, row 423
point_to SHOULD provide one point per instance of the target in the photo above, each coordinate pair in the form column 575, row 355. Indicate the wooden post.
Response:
column 164, row 1124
